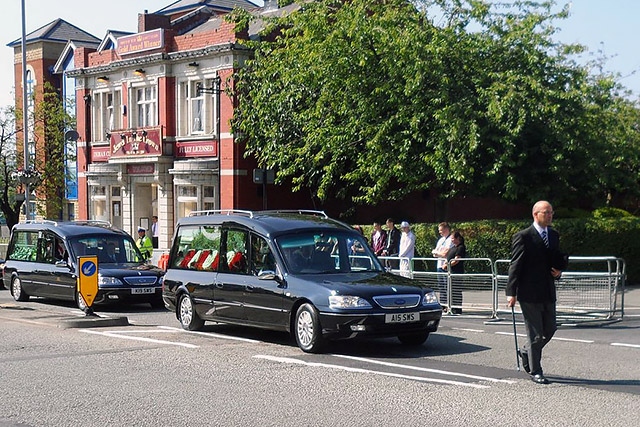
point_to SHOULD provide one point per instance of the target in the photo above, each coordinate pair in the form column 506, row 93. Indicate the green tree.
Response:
column 9, row 204
column 372, row 100
column 51, row 121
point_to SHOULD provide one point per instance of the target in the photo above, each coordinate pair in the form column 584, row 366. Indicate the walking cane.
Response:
column 515, row 337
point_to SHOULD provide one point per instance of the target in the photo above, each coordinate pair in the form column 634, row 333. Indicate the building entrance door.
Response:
column 143, row 207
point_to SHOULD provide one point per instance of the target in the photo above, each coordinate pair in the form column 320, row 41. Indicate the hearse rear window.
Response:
column 25, row 246
column 197, row 248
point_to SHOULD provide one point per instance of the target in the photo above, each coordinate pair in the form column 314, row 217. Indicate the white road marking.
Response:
column 552, row 339
column 365, row 371
column 621, row 344
column 468, row 330
column 572, row 340
column 509, row 333
column 417, row 368
column 126, row 337
column 209, row 334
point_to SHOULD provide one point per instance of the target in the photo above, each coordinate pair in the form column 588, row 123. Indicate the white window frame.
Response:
column 99, row 203
column 106, row 117
column 193, row 107
column 145, row 99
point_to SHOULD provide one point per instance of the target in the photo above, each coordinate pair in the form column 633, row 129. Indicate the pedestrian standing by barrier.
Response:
column 407, row 248
column 536, row 261
column 455, row 265
column 393, row 244
column 378, row 239
column 440, row 251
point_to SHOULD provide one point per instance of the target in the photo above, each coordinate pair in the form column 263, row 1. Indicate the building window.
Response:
column 98, row 206
column 106, row 118
column 208, row 197
column 187, row 200
column 146, row 107
column 195, row 111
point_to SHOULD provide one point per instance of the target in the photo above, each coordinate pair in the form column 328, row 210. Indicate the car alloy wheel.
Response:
column 187, row 315
column 16, row 290
column 308, row 329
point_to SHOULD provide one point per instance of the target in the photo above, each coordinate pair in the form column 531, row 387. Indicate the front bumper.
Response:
column 126, row 295
column 348, row 325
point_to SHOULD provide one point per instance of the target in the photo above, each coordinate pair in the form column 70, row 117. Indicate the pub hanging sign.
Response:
column 146, row 142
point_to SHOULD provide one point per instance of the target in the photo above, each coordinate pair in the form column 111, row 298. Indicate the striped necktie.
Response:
column 545, row 238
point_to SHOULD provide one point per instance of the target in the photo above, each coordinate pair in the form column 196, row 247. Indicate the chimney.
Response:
column 270, row 5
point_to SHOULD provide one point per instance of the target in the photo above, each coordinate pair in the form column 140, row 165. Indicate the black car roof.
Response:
column 268, row 223
column 71, row 228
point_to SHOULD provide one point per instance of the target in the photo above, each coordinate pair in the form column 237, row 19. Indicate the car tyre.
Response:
column 415, row 338
column 187, row 315
column 308, row 330
column 16, row 290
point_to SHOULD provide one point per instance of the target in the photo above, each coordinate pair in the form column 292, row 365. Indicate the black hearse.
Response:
column 297, row 271
column 42, row 260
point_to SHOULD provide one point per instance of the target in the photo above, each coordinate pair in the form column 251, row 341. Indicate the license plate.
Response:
column 401, row 317
column 143, row 290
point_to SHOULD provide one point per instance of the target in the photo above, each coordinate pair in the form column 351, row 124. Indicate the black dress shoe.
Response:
column 539, row 379
column 525, row 361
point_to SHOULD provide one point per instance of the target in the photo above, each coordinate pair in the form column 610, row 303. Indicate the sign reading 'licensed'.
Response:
column 197, row 149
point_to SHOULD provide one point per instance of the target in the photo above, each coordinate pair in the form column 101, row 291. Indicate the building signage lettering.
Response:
column 141, row 169
column 148, row 40
column 196, row 149
column 136, row 143
column 100, row 154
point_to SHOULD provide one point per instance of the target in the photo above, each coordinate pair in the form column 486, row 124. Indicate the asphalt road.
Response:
column 151, row 373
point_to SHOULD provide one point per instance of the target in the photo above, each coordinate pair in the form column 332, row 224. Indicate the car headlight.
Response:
column 108, row 281
column 346, row 301
column 429, row 298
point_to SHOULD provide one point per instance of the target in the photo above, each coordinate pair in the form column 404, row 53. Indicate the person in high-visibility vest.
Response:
column 144, row 243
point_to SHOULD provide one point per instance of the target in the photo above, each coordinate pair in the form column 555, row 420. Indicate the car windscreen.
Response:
column 315, row 252
column 109, row 248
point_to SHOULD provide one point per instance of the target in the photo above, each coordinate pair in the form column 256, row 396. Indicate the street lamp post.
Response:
column 214, row 90
column 25, row 118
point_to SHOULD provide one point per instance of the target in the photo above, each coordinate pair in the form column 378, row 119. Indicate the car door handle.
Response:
column 219, row 285
column 249, row 288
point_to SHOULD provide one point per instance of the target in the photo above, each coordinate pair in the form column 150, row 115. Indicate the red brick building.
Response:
column 153, row 118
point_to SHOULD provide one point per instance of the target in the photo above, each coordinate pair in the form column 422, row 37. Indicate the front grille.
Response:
column 140, row 280
column 397, row 301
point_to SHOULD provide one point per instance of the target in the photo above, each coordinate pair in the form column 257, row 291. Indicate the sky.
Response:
column 607, row 26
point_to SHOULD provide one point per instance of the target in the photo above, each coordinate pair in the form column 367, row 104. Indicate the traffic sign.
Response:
column 88, row 278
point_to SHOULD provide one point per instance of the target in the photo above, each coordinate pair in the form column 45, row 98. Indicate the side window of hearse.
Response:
column 197, row 248
column 25, row 246
column 261, row 257
column 236, row 247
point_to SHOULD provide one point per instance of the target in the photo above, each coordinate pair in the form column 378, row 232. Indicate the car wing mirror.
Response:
column 63, row 263
column 268, row 275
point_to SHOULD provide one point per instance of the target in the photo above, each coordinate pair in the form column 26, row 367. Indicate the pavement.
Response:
column 94, row 320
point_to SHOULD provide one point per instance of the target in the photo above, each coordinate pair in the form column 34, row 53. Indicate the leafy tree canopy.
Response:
column 370, row 100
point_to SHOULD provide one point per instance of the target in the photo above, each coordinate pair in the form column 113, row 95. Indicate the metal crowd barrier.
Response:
column 591, row 289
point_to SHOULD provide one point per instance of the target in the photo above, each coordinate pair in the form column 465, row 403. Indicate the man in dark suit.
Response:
column 392, row 247
column 536, row 262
